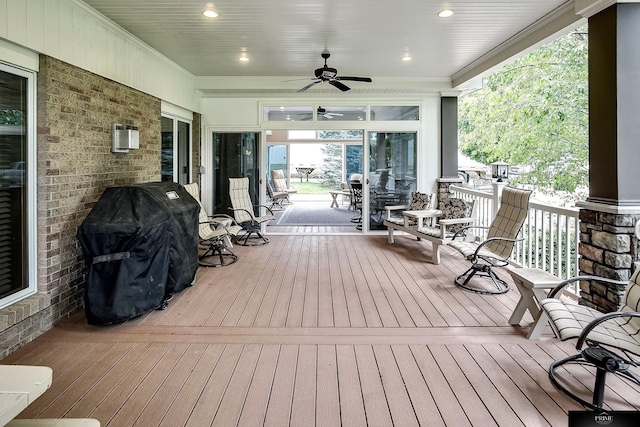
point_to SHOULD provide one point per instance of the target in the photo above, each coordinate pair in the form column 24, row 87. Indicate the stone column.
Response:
column 608, row 245
column 608, row 248
column 443, row 187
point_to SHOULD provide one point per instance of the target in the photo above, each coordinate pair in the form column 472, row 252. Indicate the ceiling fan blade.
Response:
column 356, row 79
column 297, row 80
column 339, row 85
column 309, row 85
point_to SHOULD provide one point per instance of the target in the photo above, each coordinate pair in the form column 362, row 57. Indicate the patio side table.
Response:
column 533, row 285
column 223, row 222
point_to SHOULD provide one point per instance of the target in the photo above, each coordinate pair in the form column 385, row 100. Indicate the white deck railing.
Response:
column 550, row 233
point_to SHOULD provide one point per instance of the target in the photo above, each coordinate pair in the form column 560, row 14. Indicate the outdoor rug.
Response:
column 314, row 214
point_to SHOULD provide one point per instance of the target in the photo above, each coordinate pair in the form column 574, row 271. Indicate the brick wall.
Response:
column 76, row 110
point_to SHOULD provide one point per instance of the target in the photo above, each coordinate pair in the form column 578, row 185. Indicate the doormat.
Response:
column 315, row 214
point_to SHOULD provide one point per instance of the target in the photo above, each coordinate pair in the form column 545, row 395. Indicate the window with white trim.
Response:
column 17, row 189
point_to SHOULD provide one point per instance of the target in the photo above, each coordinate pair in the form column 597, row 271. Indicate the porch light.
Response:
column 500, row 171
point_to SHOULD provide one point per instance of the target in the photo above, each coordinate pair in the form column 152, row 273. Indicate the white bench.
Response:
column 534, row 285
column 22, row 384
column 438, row 233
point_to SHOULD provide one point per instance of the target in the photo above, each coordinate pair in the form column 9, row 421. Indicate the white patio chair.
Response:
column 280, row 184
column 612, row 339
column 215, row 234
column 244, row 213
column 496, row 249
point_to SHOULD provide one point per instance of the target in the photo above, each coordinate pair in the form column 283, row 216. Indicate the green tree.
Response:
column 534, row 113
column 332, row 165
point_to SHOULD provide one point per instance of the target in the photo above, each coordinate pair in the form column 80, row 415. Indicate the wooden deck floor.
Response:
column 314, row 330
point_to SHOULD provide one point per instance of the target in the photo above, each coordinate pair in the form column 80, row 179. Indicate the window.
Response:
column 338, row 113
column 288, row 113
column 393, row 113
column 17, row 189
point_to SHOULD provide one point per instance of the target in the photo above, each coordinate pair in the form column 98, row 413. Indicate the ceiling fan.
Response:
column 322, row 112
column 328, row 74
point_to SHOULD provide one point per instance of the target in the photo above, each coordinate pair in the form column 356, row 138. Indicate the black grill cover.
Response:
column 183, row 211
column 141, row 245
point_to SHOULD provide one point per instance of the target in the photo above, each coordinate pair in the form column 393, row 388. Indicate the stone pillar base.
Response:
column 608, row 248
column 443, row 187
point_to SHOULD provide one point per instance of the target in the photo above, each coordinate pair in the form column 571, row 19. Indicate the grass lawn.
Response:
column 310, row 187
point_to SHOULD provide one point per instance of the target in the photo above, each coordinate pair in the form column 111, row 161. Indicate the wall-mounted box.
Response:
column 125, row 138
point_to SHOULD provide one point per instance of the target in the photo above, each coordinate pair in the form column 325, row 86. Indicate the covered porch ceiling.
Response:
column 284, row 41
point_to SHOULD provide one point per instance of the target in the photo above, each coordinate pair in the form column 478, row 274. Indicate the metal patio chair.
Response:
column 215, row 234
column 245, row 215
column 496, row 249
column 612, row 339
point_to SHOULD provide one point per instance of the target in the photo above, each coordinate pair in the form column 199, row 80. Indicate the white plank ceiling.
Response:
column 284, row 38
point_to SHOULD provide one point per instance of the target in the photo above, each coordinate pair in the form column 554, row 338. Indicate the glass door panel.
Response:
column 235, row 155
column 353, row 161
column 13, row 186
column 277, row 159
column 166, row 159
column 392, row 172
column 184, row 131
column 174, row 163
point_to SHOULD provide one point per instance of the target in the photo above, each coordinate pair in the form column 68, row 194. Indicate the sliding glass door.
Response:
column 235, row 155
column 392, row 172
column 277, row 159
column 176, row 142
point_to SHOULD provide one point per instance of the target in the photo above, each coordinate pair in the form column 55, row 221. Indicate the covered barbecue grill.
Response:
column 140, row 243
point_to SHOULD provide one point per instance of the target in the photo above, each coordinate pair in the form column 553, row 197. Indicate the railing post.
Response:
column 495, row 198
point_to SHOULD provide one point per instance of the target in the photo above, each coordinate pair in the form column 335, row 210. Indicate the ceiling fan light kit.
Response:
column 330, row 75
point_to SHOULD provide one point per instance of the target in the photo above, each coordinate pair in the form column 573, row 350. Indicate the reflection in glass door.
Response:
column 392, row 172
column 175, row 150
column 17, row 189
column 235, row 155
column 277, row 156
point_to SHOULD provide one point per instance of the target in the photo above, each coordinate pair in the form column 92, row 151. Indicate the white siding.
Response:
column 71, row 31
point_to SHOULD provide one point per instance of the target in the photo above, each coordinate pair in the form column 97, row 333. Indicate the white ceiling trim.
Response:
column 551, row 26
column 238, row 86
column 588, row 8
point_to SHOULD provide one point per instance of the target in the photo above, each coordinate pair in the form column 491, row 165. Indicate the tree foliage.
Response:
column 534, row 113
column 331, row 165
column 11, row 117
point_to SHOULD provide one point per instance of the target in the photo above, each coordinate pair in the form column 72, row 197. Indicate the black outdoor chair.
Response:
column 355, row 190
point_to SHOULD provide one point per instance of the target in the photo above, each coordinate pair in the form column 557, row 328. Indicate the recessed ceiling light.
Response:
column 210, row 13
column 406, row 57
column 243, row 57
column 445, row 13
